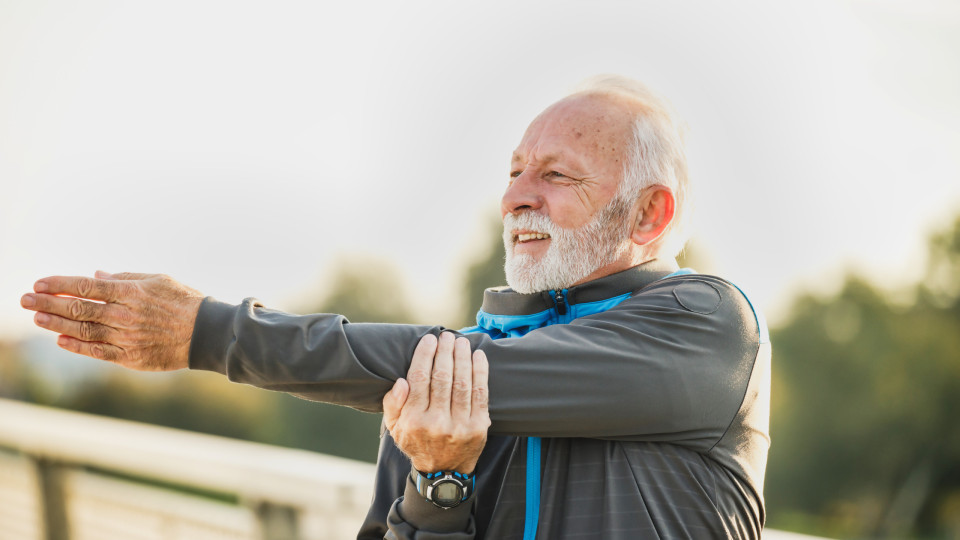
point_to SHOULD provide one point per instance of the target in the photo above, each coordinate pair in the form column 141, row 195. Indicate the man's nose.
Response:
column 522, row 194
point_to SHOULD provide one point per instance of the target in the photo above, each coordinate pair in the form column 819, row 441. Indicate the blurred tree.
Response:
column 865, row 442
column 695, row 256
column 941, row 288
column 364, row 290
column 486, row 271
column 12, row 376
column 192, row 401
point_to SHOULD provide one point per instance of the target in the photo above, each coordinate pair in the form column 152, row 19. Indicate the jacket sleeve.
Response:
column 671, row 363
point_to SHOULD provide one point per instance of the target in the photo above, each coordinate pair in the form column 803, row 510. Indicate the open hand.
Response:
column 438, row 416
column 140, row 321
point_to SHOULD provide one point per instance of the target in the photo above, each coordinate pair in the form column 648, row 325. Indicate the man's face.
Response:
column 562, row 223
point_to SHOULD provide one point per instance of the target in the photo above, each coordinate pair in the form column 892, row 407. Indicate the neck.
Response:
column 635, row 256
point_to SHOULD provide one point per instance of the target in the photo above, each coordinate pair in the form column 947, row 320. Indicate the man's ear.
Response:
column 655, row 212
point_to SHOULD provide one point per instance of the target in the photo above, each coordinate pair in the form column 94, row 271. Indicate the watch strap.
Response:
column 427, row 485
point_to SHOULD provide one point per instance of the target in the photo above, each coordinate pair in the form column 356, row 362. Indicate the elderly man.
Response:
column 627, row 398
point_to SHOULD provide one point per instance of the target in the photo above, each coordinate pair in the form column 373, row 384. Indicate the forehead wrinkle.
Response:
column 546, row 159
column 540, row 157
column 591, row 128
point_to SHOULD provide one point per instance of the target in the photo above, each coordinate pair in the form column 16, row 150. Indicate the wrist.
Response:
column 433, row 465
column 416, row 511
column 445, row 489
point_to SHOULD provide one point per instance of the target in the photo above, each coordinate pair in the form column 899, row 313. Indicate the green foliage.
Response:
column 695, row 256
column 941, row 288
column 865, row 439
column 13, row 379
column 485, row 272
column 365, row 289
column 206, row 403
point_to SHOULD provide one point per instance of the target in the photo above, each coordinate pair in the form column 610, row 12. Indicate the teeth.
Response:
column 526, row 237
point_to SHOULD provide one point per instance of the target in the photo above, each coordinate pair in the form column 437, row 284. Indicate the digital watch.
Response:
column 445, row 489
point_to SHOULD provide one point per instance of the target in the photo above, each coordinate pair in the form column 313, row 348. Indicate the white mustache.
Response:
column 532, row 221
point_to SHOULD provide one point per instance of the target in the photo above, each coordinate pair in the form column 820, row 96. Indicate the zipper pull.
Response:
column 561, row 302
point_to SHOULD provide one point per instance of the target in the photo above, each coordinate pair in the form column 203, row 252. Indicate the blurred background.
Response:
column 349, row 157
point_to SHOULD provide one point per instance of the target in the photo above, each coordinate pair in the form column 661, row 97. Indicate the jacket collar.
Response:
column 505, row 301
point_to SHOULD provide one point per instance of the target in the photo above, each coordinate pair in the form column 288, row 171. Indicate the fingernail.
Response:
column 42, row 318
column 28, row 301
column 396, row 389
column 40, row 286
column 103, row 275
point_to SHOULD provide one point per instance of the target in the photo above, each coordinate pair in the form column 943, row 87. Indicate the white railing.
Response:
column 66, row 475
column 73, row 476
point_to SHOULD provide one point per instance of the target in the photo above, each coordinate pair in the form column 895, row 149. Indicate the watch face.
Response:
column 447, row 493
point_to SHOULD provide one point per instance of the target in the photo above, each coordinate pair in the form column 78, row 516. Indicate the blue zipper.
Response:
column 560, row 300
column 532, row 508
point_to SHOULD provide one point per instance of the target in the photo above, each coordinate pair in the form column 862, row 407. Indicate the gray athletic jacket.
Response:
column 639, row 402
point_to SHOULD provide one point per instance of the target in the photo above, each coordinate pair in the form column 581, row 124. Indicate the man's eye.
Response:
column 556, row 174
column 514, row 174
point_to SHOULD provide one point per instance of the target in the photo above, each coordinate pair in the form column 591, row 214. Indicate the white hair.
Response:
column 656, row 155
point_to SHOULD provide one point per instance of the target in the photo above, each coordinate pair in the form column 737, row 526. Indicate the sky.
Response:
column 246, row 147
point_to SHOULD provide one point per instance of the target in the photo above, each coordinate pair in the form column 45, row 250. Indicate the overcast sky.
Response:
column 242, row 147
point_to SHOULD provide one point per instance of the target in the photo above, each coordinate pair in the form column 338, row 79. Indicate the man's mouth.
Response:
column 529, row 237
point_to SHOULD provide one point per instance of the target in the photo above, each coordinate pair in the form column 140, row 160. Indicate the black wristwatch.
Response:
column 445, row 489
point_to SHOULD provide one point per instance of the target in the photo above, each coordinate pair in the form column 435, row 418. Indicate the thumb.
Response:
column 393, row 402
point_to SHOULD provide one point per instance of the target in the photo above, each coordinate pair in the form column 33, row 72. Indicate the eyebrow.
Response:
column 546, row 160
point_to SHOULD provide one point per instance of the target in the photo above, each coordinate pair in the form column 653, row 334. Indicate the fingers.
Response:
column 449, row 430
column 86, row 331
column 442, row 378
column 393, row 403
column 100, row 351
column 418, row 377
column 481, row 392
column 107, row 290
column 70, row 308
column 462, row 380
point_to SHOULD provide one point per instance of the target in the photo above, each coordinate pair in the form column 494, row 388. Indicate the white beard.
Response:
column 573, row 253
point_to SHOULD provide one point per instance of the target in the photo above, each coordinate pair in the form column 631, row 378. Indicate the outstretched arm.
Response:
column 649, row 369
column 685, row 371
